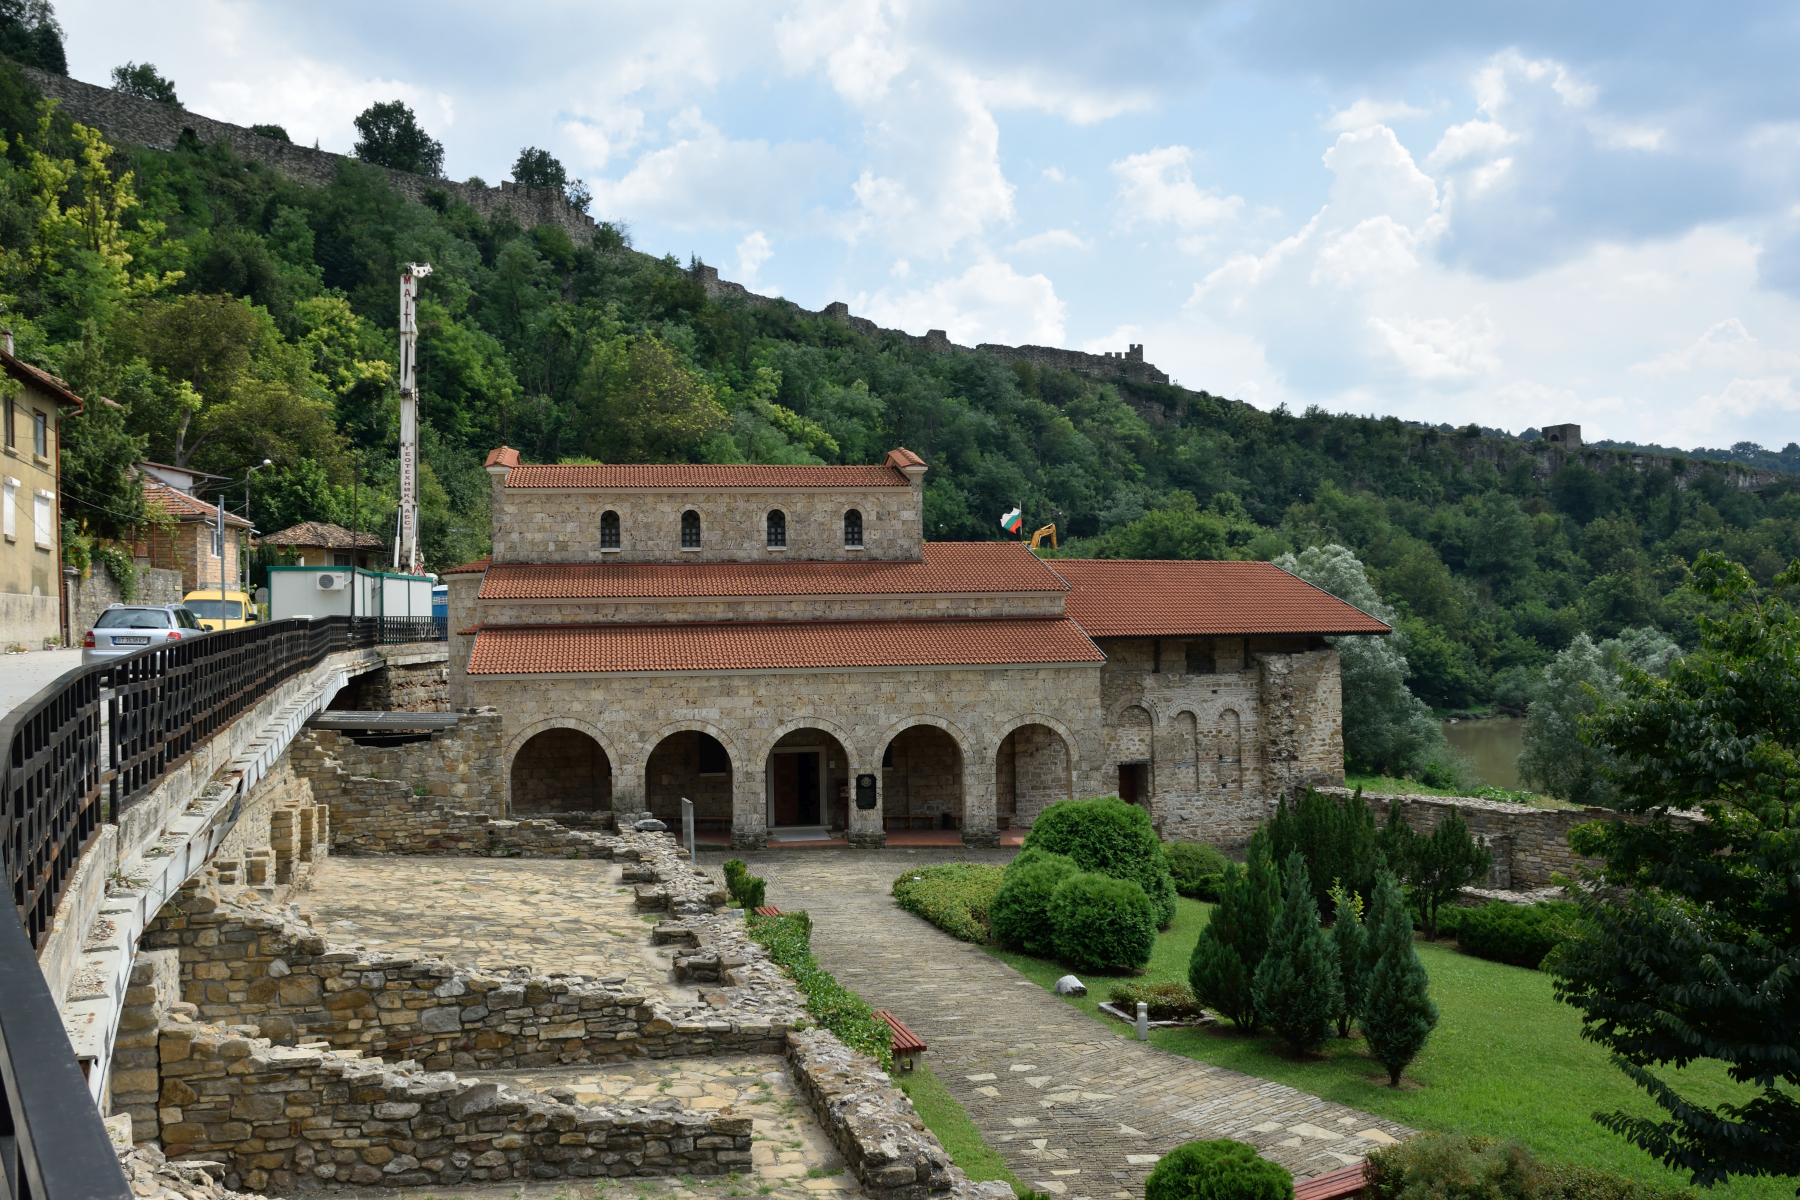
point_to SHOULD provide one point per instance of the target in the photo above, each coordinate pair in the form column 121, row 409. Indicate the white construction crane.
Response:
column 406, row 545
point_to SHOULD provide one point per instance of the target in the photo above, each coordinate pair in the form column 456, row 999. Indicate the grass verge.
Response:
column 1506, row 1061
column 946, row 1118
column 1412, row 787
column 788, row 939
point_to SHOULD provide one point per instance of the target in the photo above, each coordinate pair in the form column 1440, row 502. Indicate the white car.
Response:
column 127, row 628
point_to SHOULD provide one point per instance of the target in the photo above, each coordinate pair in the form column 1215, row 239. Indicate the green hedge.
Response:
column 1198, row 870
column 953, row 896
column 1020, row 913
column 788, row 939
column 1113, row 838
column 1169, row 1000
column 1475, row 1168
column 1102, row 924
column 1519, row 934
column 1218, row 1170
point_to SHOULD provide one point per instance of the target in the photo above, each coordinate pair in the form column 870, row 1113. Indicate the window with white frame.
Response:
column 42, row 527
column 9, row 507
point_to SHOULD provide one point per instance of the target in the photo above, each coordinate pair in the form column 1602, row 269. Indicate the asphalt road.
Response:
column 22, row 676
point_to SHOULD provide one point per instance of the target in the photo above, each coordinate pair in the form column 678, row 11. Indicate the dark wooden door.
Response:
column 787, row 789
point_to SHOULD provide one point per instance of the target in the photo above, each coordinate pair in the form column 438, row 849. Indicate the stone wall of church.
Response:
column 552, row 525
column 1224, row 729
column 631, row 715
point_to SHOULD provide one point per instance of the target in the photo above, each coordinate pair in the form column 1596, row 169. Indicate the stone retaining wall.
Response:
column 874, row 1125
column 90, row 594
column 1530, row 845
column 297, row 1118
column 371, row 790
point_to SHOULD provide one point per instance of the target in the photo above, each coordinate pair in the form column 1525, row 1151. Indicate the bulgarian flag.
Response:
column 1013, row 521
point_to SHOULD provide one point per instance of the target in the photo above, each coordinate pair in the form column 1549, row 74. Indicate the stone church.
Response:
column 780, row 645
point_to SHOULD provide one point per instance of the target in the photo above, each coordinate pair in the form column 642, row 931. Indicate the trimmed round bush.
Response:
column 1019, row 913
column 1108, row 836
column 1218, row 1170
column 1198, row 870
column 1514, row 933
column 1102, row 924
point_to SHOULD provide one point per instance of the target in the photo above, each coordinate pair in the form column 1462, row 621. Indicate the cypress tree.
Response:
column 1222, row 969
column 1349, row 938
column 1397, row 1013
column 1299, row 990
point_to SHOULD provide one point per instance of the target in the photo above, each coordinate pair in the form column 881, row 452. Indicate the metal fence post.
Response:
column 687, row 825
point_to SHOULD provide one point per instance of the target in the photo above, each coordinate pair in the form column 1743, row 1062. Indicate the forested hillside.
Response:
column 234, row 315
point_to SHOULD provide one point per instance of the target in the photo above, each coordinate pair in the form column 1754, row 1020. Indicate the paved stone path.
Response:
column 1075, row 1109
column 550, row 914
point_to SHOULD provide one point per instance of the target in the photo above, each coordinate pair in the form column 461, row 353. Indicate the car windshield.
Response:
column 209, row 609
column 133, row 618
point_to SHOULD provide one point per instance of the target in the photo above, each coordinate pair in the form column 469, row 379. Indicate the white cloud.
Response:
column 989, row 302
column 1367, row 111
column 1471, row 139
column 1054, row 175
column 1157, row 187
column 1050, row 239
column 1440, row 348
column 752, row 253
column 706, row 180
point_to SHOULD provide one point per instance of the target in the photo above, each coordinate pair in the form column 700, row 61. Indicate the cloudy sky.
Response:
column 1517, row 212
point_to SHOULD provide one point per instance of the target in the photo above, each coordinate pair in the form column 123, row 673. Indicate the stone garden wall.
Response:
column 295, row 1118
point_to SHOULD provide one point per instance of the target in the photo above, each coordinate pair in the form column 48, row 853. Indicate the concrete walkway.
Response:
column 23, row 676
column 1077, row 1110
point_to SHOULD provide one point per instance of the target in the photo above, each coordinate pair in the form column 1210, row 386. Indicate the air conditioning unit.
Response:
column 333, row 581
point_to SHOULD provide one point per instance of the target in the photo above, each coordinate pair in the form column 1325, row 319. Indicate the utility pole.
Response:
column 406, row 545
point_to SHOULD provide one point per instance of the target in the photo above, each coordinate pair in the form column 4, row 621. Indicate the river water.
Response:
column 1493, row 743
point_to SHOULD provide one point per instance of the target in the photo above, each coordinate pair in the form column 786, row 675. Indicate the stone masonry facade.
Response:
column 1203, row 731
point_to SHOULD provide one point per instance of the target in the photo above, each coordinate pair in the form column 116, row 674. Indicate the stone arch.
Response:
column 562, row 772
column 1226, row 751
column 832, row 727
column 678, row 762
column 923, row 775
column 1034, row 767
column 1132, row 734
column 807, row 769
column 1117, row 710
column 522, row 735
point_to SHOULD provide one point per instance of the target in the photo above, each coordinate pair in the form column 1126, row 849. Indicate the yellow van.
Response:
column 220, row 610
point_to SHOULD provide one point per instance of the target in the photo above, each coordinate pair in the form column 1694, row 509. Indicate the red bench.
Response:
column 907, row 1044
column 1339, row 1185
column 767, row 910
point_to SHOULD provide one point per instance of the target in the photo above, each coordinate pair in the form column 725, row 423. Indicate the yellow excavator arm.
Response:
column 1047, row 532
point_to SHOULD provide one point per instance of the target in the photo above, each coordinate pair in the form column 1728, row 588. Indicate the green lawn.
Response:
column 962, row 1140
column 1412, row 787
column 1506, row 1060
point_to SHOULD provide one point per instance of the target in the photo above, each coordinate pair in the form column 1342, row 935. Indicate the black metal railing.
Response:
column 52, row 1143
column 81, row 751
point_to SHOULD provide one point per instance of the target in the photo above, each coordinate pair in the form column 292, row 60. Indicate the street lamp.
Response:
column 244, row 564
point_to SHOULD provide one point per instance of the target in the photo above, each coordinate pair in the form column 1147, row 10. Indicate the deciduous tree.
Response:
column 1689, row 947
column 391, row 137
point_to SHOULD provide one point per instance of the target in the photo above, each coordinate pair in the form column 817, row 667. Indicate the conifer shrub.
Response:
column 1397, row 1014
column 953, row 896
column 1218, row 1170
column 1222, row 969
column 1020, row 911
column 1336, row 837
column 1299, row 989
column 1102, row 924
column 1348, row 939
column 1198, row 870
column 1520, row 934
column 746, row 890
column 1108, row 836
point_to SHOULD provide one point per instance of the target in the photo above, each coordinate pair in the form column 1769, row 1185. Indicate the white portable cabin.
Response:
column 346, row 592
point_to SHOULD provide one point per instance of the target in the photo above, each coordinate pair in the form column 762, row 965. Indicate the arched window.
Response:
column 853, row 528
column 777, row 530
column 690, row 530
column 609, row 531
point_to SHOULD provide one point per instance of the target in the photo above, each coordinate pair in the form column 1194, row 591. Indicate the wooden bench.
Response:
column 767, row 910
column 907, row 1044
column 1339, row 1185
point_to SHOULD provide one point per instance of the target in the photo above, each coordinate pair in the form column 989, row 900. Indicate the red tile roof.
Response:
column 26, row 373
column 902, row 457
column 691, row 475
column 772, row 645
column 325, row 534
column 958, row 567
column 505, row 456
column 184, row 507
column 470, row 568
column 1128, row 598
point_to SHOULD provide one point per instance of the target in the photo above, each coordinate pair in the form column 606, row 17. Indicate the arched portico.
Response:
column 562, row 772
column 1033, row 769
column 923, row 778
column 696, row 762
